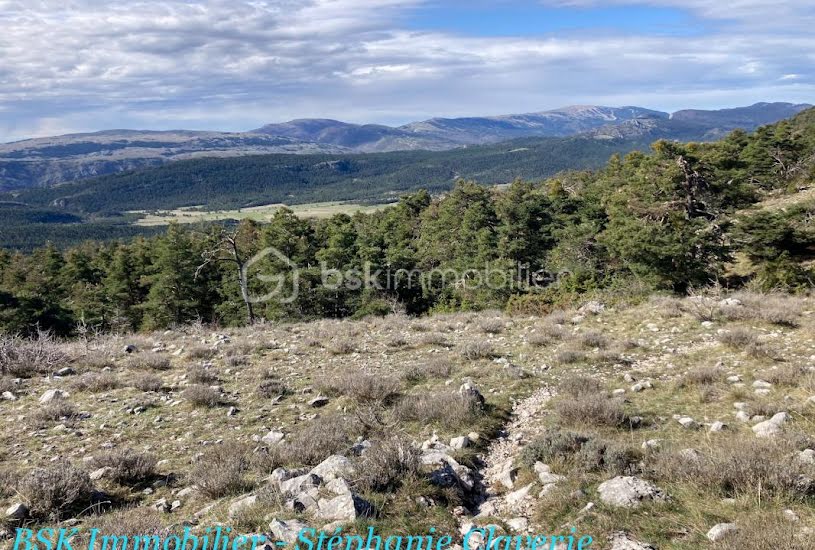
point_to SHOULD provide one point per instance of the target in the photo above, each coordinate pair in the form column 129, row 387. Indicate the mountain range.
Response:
column 50, row 161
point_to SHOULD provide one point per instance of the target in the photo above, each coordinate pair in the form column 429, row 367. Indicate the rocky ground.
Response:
column 674, row 423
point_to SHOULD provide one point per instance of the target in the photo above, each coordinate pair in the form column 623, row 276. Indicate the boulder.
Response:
column 17, row 511
column 807, row 456
column 273, row 437
column 345, row 508
column 771, row 427
column 240, row 505
column 721, row 530
column 333, row 467
column 96, row 475
column 624, row 541
column 287, row 531
column 65, row 371
column 629, row 492
column 319, row 401
column 461, row 442
column 296, row 485
column 53, row 394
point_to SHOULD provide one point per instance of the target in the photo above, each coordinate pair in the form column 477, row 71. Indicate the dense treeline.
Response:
column 673, row 220
column 225, row 183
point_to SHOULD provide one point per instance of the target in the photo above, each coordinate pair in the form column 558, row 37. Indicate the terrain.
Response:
column 50, row 161
column 671, row 423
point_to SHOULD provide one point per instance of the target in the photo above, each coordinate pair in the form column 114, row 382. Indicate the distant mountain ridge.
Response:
column 51, row 161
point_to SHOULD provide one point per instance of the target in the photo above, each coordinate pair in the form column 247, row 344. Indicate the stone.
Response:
column 721, row 530
column 345, row 508
column 130, row 348
column 50, row 395
column 807, row 456
column 717, row 427
column 319, row 401
column 469, row 390
column 743, row 416
column 273, row 437
column 176, row 504
column 506, row 474
column 761, row 384
column 338, row 486
column 688, row 423
column 8, row 396
column 161, row 505
column 287, row 531
column 240, row 505
column 333, row 467
column 734, row 379
column 652, row 444
column 623, row 541
column 629, row 492
column 771, row 427
column 545, row 476
column 96, row 475
column 518, row 525
column 461, row 442
column 790, row 515
column 65, row 371
column 17, row 511
column 619, row 392
column 516, row 497
column 187, row 491
column 297, row 485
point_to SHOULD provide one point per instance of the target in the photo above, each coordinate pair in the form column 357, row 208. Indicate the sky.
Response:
column 84, row 65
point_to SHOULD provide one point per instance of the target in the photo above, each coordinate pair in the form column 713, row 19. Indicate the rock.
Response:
column 282, row 474
column 629, row 492
column 65, row 371
column 273, row 437
column 175, row 505
column 130, row 348
column 460, row 442
column 546, row 476
column 296, row 485
column 619, row 392
column 771, row 427
column 161, row 505
column 17, row 511
column 233, row 411
column 319, row 401
column 790, row 515
column 469, row 390
column 734, row 379
column 688, row 423
column 50, row 395
column 8, row 396
column 187, row 491
column 690, row 455
column 338, row 486
column 807, row 456
column 743, row 416
column 506, row 474
column 641, row 386
column 518, row 525
column 762, row 385
column 717, row 427
column 624, row 541
column 96, row 475
column 652, row 444
column 333, row 467
column 287, row 531
column 593, row 307
column 516, row 497
column 240, row 505
column 721, row 530
column 345, row 508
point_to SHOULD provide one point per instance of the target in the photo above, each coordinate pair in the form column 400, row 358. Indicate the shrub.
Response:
column 202, row 374
column 132, row 522
column 200, row 352
column 27, row 357
column 553, row 445
column 361, row 386
column 739, row 338
column 492, row 326
column 577, row 386
column 56, row 490
column 434, row 339
column 740, row 466
column 235, row 360
column 592, row 339
column 341, row 346
column 786, row 375
column 701, row 376
column 54, row 410
column 127, row 465
column 764, row 530
column 222, row 470
column 321, row 438
column 271, row 388
column 569, row 357
column 591, row 410
column 449, row 410
column 203, row 396
column 597, row 454
column 433, row 368
column 477, row 350
column 148, row 382
column 152, row 361
column 387, row 464
column 95, row 382
column 8, row 481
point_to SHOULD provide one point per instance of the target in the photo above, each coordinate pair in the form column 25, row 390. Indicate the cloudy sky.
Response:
column 83, row 65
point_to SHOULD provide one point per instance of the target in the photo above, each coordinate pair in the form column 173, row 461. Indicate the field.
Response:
column 256, row 213
column 643, row 425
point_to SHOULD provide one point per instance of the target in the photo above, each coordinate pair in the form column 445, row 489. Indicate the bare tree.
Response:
column 227, row 250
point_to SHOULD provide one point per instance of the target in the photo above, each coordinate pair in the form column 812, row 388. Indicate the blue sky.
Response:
column 85, row 65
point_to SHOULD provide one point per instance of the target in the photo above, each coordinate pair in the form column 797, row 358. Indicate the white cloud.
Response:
column 237, row 64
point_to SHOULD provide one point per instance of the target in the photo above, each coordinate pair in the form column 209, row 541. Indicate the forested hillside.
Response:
column 672, row 220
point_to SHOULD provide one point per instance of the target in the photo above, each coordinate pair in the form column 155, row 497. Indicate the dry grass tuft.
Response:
column 57, row 409
column 473, row 351
column 25, row 358
column 202, row 374
column 222, row 470
column 577, row 386
column 591, row 410
column 151, row 361
column 363, row 387
column 95, row 382
column 449, row 410
column 203, row 396
column 388, row 464
column 433, row 368
column 148, row 383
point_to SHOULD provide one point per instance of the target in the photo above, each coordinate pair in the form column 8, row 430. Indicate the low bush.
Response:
column 148, row 383
column 28, row 357
column 448, row 410
column 361, row 386
column 203, row 396
column 222, row 470
column 55, row 491
column 127, row 465
column 95, row 382
column 387, row 464
column 477, row 350
column 202, row 374
column 433, row 368
column 590, row 410
column 151, row 361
